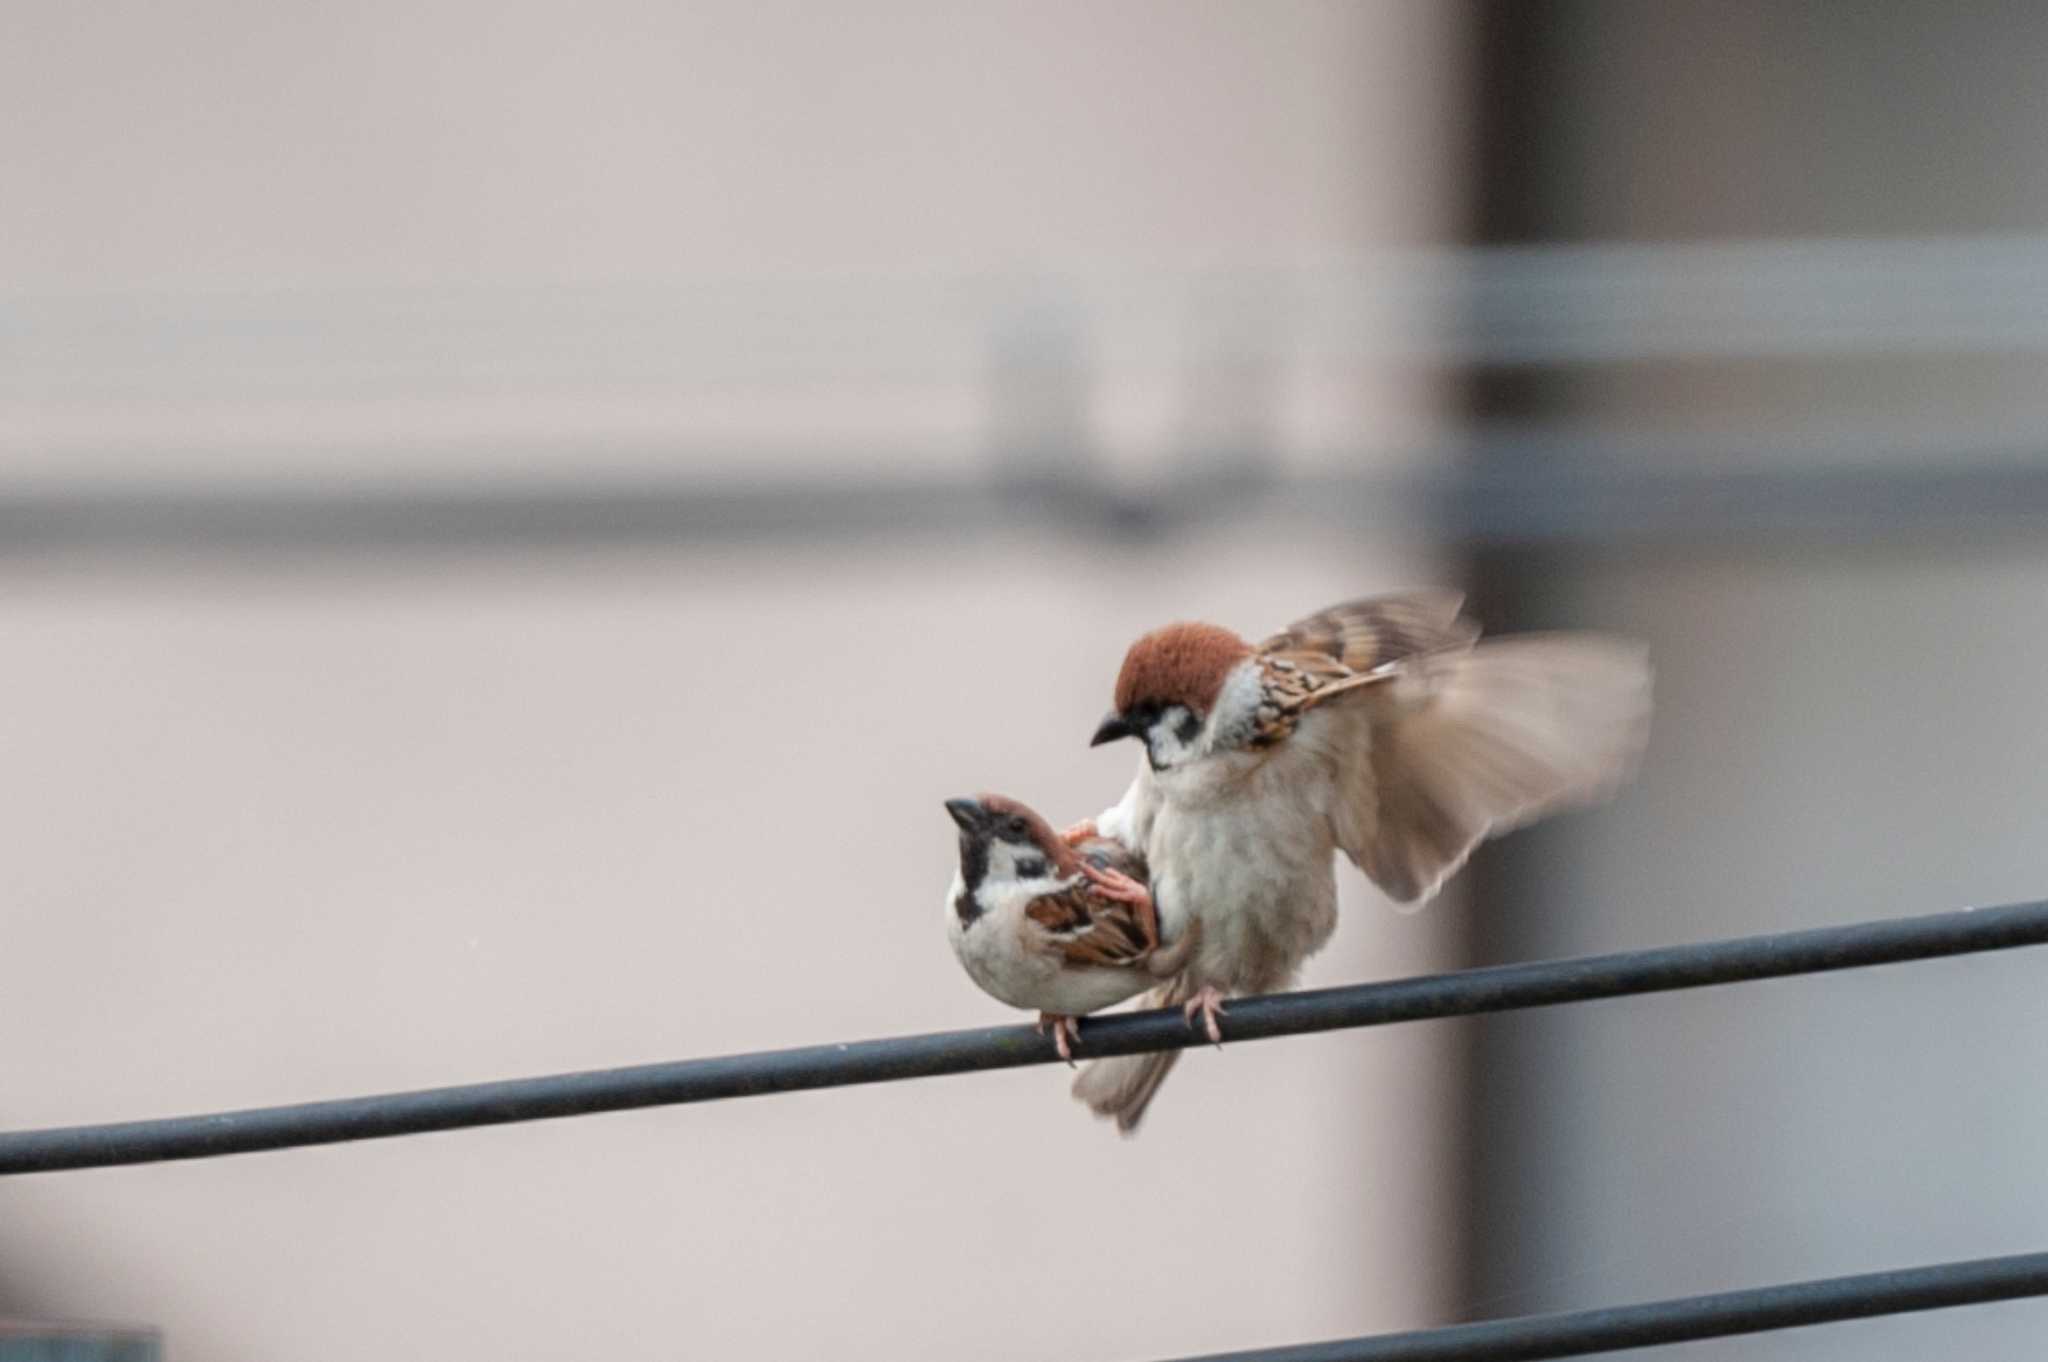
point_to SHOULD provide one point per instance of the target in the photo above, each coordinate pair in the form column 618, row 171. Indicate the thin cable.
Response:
column 1465, row 993
column 1610, row 1328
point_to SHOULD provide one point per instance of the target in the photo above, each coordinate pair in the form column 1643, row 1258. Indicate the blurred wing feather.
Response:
column 1468, row 745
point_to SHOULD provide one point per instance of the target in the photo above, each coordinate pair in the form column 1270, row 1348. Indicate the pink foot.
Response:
column 1114, row 884
column 1118, row 887
column 1079, row 832
column 1208, row 1002
column 1066, row 1033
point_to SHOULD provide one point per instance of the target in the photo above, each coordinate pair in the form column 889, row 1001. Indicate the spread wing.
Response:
column 1454, row 740
column 1360, row 635
column 1087, row 928
column 1349, row 646
column 1467, row 745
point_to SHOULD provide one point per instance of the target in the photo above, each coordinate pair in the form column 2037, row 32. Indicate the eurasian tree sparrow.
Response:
column 1380, row 728
column 1042, row 924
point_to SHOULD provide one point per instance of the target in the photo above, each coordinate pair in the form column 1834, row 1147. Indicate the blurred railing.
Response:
column 23, row 1340
column 1135, row 401
column 1498, row 492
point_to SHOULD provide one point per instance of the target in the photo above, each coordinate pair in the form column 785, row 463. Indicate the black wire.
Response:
column 1494, row 989
column 1753, row 1311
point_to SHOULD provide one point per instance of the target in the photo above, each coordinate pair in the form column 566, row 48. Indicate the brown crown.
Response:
column 1181, row 664
column 1057, row 851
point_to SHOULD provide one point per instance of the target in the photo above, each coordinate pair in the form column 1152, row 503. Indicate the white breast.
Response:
column 1243, row 843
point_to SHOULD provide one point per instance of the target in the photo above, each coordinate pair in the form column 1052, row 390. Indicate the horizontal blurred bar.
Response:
column 1610, row 1329
column 239, row 519
column 1512, row 489
column 1510, row 305
column 23, row 1340
column 1465, row 993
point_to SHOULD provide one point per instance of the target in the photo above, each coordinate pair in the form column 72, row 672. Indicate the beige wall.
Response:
column 349, row 831
column 387, row 240
column 296, row 826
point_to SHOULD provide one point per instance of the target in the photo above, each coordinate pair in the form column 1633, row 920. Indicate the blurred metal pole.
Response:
column 1639, row 126
column 1518, row 61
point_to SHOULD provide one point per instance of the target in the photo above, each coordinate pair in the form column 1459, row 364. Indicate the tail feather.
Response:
column 1121, row 1087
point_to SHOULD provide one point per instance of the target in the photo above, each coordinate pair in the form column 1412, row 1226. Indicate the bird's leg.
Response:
column 1114, row 884
column 1208, row 1002
column 1066, row 1033
column 1080, row 832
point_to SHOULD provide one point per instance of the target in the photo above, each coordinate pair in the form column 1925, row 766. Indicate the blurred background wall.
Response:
column 1808, row 470
column 512, row 520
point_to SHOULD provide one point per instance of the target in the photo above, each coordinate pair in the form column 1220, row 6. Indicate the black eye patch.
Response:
column 1031, row 867
column 1187, row 728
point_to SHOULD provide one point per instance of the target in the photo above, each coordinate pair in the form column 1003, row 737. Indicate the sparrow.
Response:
column 1382, row 728
column 1042, row 924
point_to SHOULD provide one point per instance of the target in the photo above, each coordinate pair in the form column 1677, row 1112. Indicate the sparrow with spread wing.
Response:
column 1382, row 728
column 1040, row 923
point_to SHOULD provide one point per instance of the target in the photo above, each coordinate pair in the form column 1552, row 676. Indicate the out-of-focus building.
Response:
column 513, row 523
column 1813, row 241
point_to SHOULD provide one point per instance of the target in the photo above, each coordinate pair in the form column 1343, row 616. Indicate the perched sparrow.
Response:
column 1380, row 728
column 1042, row 924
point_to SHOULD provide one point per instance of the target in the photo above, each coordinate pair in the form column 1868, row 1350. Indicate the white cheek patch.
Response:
column 1165, row 742
column 1007, row 862
column 1004, row 859
column 998, row 893
column 1231, row 722
column 1236, row 713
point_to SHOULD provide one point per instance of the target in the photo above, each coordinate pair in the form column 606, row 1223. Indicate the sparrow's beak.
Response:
column 966, row 812
column 1113, row 726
